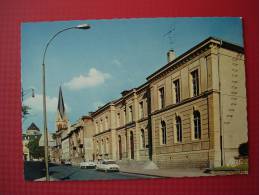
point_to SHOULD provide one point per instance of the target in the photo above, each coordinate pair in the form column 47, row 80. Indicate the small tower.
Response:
column 33, row 130
column 61, row 118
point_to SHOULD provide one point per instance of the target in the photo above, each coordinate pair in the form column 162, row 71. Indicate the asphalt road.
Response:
column 62, row 172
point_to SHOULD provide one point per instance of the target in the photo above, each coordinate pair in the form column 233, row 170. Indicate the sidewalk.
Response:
column 44, row 179
column 177, row 172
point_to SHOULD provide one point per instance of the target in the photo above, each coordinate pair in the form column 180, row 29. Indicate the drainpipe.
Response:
column 207, row 85
column 150, row 147
column 220, row 109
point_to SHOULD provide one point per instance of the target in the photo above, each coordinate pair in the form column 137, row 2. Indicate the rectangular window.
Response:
column 176, row 91
column 106, row 123
column 130, row 114
column 118, row 119
column 101, row 125
column 161, row 97
column 195, row 82
column 124, row 111
column 141, row 110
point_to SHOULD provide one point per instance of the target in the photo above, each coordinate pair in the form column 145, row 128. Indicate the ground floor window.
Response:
column 197, row 124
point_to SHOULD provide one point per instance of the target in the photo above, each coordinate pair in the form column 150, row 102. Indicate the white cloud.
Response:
column 117, row 62
column 36, row 103
column 91, row 79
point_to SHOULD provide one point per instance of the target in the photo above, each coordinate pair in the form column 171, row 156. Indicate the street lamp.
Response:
column 82, row 27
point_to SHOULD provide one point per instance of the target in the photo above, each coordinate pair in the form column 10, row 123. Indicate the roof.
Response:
column 33, row 127
column 61, row 105
column 222, row 43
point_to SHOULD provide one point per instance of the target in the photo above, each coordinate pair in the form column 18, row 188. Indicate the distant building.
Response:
column 51, row 144
column 32, row 132
column 81, row 140
column 62, row 128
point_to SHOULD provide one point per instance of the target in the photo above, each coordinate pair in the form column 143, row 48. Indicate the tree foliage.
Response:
column 25, row 111
column 35, row 150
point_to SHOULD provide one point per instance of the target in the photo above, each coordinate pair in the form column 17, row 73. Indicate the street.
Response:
column 62, row 172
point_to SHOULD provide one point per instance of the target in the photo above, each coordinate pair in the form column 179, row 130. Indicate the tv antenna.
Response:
column 171, row 36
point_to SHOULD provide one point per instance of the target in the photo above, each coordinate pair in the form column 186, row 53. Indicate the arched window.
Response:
column 102, row 147
column 97, row 147
column 163, row 132
column 120, row 147
column 142, row 138
column 197, row 124
column 179, row 133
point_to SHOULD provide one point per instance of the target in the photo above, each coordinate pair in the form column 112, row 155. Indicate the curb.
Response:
column 160, row 176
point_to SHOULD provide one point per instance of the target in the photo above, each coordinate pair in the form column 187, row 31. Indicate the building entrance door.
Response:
column 131, row 145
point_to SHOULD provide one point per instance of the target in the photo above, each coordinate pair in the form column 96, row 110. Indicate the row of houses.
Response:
column 191, row 112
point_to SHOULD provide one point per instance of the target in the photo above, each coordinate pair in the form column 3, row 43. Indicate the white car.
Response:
column 87, row 164
column 107, row 165
column 67, row 163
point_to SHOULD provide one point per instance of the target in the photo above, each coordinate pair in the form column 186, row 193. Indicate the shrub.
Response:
column 243, row 149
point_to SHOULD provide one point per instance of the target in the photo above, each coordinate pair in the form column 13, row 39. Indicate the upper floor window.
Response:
column 163, row 132
column 161, row 98
column 141, row 110
column 179, row 133
column 130, row 114
column 118, row 119
column 197, row 124
column 101, row 125
column 124, row 111
column 97, row 127
column 142, row 139
column 106, row 123
column 176, row 91
column 195, row 82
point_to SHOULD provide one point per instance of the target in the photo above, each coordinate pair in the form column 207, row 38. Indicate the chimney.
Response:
column 171, row 55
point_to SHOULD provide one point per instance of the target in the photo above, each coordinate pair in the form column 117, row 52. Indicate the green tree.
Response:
column 25, row 111
column 35, row 150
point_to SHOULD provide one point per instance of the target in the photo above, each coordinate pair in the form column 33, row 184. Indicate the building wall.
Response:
column 233, row 102
column 65, row 155
column 190, row 152
column 220, row 102
column 88, row 138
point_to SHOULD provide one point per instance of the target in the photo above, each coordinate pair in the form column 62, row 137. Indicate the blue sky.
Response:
column 93, row 66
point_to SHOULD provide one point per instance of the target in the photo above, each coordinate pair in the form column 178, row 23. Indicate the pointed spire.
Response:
column 61, row 105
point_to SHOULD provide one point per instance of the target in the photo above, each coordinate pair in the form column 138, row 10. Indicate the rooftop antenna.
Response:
column 171, row 36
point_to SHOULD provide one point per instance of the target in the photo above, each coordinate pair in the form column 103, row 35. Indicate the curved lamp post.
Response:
column 83, row 27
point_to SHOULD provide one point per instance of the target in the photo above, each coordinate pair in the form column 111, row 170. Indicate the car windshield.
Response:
column 109, row 162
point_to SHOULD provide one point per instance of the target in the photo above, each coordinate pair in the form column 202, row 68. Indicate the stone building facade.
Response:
column 80, row 140
column 191, row 112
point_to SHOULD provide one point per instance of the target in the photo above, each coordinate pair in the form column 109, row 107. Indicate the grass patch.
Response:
column 241, row 167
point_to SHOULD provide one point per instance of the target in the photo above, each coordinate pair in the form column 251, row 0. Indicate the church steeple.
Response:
column 61, row 120
column 61, row 105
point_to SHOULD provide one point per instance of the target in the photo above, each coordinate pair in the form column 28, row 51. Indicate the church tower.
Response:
column 61, row 118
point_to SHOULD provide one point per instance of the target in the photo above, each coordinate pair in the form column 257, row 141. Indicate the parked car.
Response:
column 87, row 164
column 107, row 165
column 68, row 163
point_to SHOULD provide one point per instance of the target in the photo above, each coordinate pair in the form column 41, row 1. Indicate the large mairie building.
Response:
column 191, row 112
